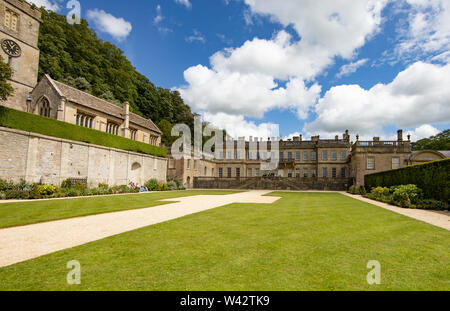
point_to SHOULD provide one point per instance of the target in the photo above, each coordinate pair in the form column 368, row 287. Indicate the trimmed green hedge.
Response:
column 433, row 178
column 24, row 121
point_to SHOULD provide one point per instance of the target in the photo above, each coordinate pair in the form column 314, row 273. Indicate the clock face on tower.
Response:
column 11, row 48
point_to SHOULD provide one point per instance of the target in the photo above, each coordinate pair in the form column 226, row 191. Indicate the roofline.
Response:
column 429, row 151
column 105, row 101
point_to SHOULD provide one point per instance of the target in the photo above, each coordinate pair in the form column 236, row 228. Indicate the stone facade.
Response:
column 38, row 158
column 316, row 164
column 59, row 101
column 20, row 22
column 186, row 170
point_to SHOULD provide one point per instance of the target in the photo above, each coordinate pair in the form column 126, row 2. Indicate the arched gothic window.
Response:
column 44, row 108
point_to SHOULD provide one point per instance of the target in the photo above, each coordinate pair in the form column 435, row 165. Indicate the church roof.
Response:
column 85, row 99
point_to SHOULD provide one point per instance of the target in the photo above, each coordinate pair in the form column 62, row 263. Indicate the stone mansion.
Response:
column 320, row 164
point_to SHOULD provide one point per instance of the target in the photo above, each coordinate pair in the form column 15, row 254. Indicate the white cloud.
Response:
column 186, row 3
column 418, row 95
column 249, row 80
column 351, row 68
column 196, row 36
column 158, row 18
column 423, row 131
column 236, row 126
column 245, row 94
column 114, row 26
column 428, row 29
column 49, row 5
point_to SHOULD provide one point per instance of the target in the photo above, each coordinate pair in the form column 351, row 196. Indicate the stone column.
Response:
column 61, row 110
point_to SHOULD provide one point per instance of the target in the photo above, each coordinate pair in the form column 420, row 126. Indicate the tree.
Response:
column 438, row 142
column 75, row 55
column 5, row 74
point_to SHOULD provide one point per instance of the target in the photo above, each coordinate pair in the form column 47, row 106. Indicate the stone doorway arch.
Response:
column 135, row 174
column 188, row 182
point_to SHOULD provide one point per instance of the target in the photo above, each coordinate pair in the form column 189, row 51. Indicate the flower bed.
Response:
column 27, row 191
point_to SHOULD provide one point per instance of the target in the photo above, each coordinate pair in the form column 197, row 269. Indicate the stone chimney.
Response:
column 301, row 137
column 376, row 139
column 126, row 111
column 400, row 135
column 336, row 138
column 346, row 136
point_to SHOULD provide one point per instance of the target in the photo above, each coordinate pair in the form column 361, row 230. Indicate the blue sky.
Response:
column 311, row 67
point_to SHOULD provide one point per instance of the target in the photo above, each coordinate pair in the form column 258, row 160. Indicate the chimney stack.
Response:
column 400, row 135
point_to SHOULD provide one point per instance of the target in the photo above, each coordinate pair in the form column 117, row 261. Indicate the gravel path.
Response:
column 436, row 218
column 27, row 242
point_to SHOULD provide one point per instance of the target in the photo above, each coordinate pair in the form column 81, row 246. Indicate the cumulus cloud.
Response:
column 118, row 28
column 265, row 74
column 351, row 68
column 423, row 131
column 418, row 95
column 236, row 126
column 245, row 94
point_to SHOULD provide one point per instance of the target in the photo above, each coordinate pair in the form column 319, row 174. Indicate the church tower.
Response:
column 19, row 32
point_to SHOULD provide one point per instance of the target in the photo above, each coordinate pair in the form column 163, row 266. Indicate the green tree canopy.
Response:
column 438, row 142
column 76, row 56
column 5, row 74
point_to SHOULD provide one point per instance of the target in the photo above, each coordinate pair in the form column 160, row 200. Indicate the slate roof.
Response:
column 84, row 99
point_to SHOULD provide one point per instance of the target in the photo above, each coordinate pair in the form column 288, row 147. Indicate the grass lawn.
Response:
column 25, row 213
column 305, row 241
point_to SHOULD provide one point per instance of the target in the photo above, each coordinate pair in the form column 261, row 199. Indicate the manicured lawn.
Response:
column 24, row 213
column 308, row 241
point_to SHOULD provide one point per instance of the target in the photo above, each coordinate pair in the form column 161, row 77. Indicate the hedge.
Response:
column 433, row 178
column 28, row 122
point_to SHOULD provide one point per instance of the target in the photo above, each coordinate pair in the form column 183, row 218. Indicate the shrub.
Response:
column 152, row 185
column 103, row 186
column 362, row 190
column 412, row 191
column 46, row 190
column 6, row 185
column 380, row 192
column 354, row 190
column 17, row 194
column 432, row 205
column 163, row 187
column 37, row 124
column 172, row 185
column 72, row 192
column 66, row 184
column 433, row 178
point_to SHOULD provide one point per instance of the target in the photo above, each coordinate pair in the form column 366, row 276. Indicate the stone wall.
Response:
column 276, row 183
column 38, row 158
